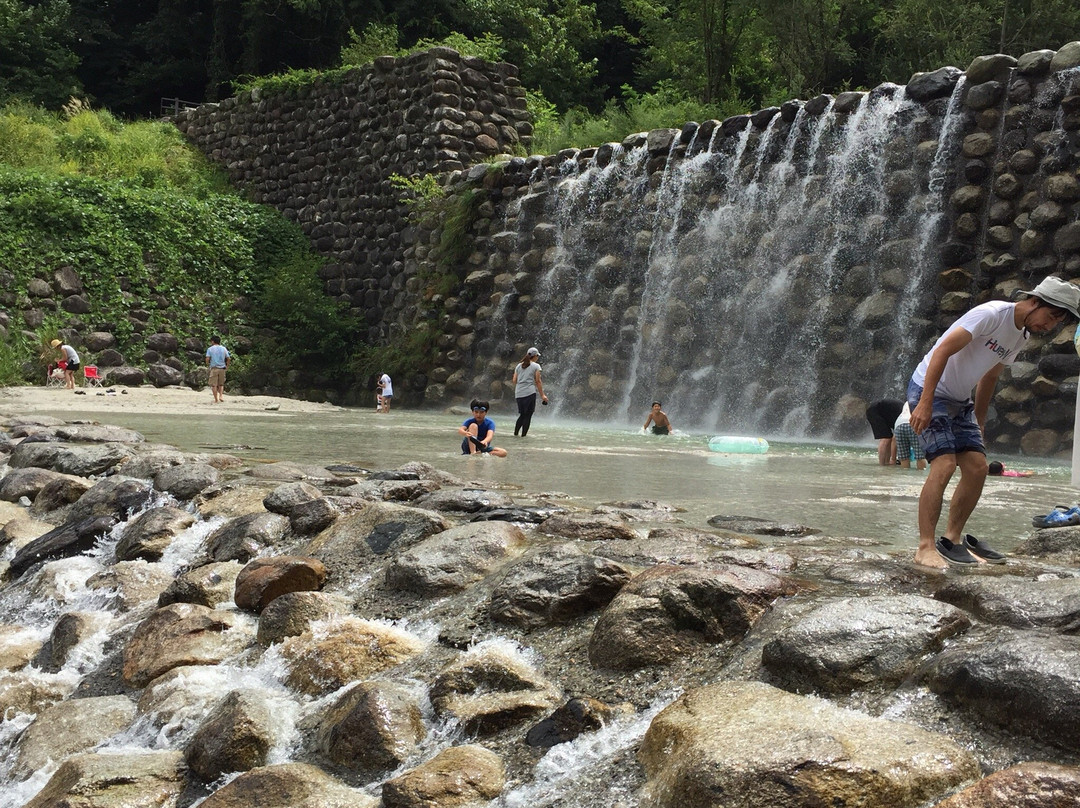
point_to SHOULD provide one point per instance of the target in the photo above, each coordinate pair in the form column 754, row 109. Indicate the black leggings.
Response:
column 526, row 408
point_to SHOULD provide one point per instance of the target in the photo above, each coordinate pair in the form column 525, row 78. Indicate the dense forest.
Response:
column 125, row 55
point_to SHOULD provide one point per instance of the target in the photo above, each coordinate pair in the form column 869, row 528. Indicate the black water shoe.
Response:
column 980, row 550
column 953, row 553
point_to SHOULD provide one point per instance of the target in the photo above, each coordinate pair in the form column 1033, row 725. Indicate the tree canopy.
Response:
column 580, row 54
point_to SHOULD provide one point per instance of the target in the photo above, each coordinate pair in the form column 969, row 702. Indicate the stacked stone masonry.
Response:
column 323, row 155
column 1012, row 213
column 1010, row 205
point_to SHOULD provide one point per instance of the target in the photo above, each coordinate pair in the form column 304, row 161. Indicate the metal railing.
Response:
column 171, row 107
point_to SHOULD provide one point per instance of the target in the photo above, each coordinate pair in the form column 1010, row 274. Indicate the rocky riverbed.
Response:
column 180, row 627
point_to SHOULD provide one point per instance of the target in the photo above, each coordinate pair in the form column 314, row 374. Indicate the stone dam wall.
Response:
column 323, row 154
column 809, row 252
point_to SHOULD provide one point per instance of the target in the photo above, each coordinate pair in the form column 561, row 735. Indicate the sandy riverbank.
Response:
column 148, row 400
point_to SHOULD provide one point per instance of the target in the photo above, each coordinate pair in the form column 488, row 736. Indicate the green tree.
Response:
column 546, row 40
column 697, row 43
column 36, row 60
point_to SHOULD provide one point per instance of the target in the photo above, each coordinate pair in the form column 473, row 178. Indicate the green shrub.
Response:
column 577, row 128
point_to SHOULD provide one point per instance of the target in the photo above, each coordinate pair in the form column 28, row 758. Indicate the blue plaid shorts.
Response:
column 952, row 428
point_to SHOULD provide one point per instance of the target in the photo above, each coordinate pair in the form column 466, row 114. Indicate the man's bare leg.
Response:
column 973, row 471
column 930, row 499
column 884, row 446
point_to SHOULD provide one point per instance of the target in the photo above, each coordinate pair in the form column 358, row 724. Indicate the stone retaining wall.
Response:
column 323, row 155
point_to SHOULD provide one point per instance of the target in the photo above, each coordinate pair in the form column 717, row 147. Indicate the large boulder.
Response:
column 666, row 611
column 321, row 661
column 856, row 642
column 71, row 726
column 114, row 781
column 458, row 776
column 71, row 538
column 287, row 495
column 162, row 375
column 288, row 785
column 18, row 647
column 1012, row 601
column 464, row 500
column 588, row 527
column 186, row 481
column 759, row 746
column 1025, row 680
column 235, row 737
column 1055, row 545
column 487, row 689
column 67, row 458
column 26, row 482
column 129, row 584
column 374, row 726
column 554, row 586
column 150, row 533
column 182, row 634
column 264, row 579
column 456, row 558
column 1027, row 785
column 69, row 631
column 118, row 497
column 55, row 499
column 293, row 613
column 208, row 585
column 381, row 529
column 245, row 537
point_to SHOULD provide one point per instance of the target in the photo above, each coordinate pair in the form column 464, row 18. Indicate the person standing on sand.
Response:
column 218, row 358
column 71, row 358
column 950, row 425
column 527, row 386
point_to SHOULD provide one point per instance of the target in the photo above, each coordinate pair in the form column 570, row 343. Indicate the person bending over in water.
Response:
column 479, row 431
column 971, row 354
column 658, row 418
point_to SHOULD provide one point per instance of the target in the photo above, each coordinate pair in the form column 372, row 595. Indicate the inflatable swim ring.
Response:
column 738, row 445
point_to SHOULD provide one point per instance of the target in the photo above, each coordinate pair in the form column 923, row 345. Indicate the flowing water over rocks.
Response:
column 452, row 643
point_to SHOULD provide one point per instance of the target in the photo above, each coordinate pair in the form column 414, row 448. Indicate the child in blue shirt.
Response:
column 479, row 431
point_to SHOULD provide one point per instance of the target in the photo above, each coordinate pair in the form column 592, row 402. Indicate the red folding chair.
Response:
column 55, row 375
column 90, row 373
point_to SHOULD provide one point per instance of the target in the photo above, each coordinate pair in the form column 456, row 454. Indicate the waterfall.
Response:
column 755, row 280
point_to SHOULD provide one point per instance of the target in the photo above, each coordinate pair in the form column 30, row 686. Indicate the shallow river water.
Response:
column 836, row 489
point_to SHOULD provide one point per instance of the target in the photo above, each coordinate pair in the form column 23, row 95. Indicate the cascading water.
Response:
column 756, row 284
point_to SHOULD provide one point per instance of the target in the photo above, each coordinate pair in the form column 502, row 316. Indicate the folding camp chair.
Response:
column 90, row 373
column 54, row 377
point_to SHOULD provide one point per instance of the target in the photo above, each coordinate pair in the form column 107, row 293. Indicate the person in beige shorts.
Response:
column 217, row 357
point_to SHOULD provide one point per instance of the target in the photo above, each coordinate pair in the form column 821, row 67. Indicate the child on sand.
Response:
column 479, row 431
column 658, row 418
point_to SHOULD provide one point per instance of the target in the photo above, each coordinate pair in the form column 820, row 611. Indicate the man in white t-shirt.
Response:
column 971, row 354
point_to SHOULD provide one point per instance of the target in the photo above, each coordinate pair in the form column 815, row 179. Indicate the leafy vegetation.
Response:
column 141, row 216
column 127, row 54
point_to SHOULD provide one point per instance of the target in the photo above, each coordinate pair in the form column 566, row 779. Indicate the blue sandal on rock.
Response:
column 1059, row 517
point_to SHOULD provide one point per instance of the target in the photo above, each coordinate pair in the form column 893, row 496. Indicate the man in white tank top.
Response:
column 950, row 424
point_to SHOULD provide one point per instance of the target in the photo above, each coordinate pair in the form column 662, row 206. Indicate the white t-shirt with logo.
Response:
column 387, row 387
column 995, row 340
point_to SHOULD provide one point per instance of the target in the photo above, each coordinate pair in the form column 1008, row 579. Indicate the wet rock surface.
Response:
column 763, row 746
column 445, row 654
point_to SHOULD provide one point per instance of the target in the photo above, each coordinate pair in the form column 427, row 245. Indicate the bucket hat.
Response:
column 1059, row 293
column 55, row 343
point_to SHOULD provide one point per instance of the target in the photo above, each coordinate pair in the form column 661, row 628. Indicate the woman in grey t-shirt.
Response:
column 527, row 386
